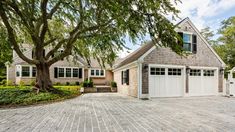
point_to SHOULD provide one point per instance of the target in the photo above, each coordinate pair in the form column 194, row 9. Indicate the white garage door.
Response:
column 203, row 82
column 166, row 82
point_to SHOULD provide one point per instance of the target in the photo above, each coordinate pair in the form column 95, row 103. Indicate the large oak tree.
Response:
column 84, row 27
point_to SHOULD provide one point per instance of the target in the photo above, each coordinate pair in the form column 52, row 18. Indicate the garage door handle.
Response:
column 231, row 82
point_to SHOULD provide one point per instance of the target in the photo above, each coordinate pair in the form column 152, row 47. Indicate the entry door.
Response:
column 166, row 82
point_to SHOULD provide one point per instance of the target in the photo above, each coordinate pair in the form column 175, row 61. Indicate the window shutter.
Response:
column 44, row 53
column 194, row 43
column 127, row 77
column 179, row 42
column 80, row 73
column 32, row 53
column 55, row 72
column 122, row 77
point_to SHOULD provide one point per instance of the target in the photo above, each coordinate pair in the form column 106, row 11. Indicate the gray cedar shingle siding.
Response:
column 203, row 57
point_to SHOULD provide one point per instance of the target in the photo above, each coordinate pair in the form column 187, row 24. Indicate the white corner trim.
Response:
column 139, row 74
column 203, row 39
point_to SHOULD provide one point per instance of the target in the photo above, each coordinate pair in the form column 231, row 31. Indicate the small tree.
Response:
column 85, row 27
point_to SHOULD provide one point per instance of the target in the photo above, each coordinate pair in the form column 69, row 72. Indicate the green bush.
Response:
column 3, row 82
column 67, row 83
column 9, row 83
column 113, row 84
column 88, row 83
column 22, row 83
column 77, row 83
column 57, row 84
column 32, row 82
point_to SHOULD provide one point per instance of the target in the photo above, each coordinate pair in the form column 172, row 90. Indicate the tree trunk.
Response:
column 43, row 81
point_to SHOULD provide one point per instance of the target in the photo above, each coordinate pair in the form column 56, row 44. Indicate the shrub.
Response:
column 77, row 83
column 87, row 83
column 32, row 82
column 3, row 82
column 9, row 83
column 113, row 84
column 67, row 83
column 21, row 83
column 58, row 83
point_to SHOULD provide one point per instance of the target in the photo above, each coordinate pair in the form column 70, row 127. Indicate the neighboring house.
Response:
column 152, row 71
column 63, row 71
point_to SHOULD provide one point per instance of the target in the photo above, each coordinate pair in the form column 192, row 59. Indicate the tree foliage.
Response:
column 208, row 34
column 84, row 27
column 226, row 48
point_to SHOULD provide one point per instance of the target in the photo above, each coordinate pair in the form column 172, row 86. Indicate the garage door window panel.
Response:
column 195, row 72
column 174, row 72
column 157, row 71
column 208, row 73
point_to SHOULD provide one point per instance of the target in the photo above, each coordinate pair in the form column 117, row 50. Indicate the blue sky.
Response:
column 203, row 13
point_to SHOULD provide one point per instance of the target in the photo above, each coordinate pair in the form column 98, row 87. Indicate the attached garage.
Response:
column 174, row 81
column 166, row 81
column 203, row 81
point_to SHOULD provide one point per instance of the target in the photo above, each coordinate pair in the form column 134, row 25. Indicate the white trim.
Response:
column 97, row 76
column 203, row 39
column 71, row 72
column 162, row 65
column 201, row 67
column 139, row 74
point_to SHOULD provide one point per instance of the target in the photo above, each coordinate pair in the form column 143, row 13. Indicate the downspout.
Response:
column 139, row 62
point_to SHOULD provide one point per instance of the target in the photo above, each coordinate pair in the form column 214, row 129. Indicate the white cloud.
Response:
column 200, row 10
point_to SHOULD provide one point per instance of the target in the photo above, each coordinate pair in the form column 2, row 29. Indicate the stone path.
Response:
column 111, row 112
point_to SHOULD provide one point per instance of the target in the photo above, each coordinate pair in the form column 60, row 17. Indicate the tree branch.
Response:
column 51, row 52
column 11, row 37
column 54, row 9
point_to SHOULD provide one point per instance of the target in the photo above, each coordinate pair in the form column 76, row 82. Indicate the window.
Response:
column 34, row 71
column 195, row 72
column 97, row 73
column 75, row 72
column 92, row 72
column 125, row 77
column 68, row 72
column 61, row 72
column 102, row 72
column 187, row 39
column 208, row 72
column 25, row 71
column 174, row 72
column 157, row 71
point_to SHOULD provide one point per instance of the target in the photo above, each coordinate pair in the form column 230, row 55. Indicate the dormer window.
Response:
column 187, row 38
column 189, row 42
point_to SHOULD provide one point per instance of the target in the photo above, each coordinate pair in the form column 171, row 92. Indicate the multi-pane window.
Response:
column 125, row 77
column 97, row 73
column 92, row 72
column 61, row 72
column 174, row 71
column 187, row 39
column 195, row 72
column 68, row 72
column 157, row 71
column 34, row 71
column 25, row 71
column 75, row 72
column 208, row 72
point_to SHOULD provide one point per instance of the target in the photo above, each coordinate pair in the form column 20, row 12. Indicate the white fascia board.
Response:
column 127, row 66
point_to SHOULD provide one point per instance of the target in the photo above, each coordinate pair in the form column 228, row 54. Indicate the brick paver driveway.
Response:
column 114, row 112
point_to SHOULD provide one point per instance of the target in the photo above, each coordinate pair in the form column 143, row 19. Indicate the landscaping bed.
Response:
column 11, row 96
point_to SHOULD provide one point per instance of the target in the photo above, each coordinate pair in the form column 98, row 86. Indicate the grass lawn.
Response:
column 11, row 96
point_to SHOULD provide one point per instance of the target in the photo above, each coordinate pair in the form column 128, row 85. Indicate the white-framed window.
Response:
column 61, row 72
column 34, row 71
column 208, row 72
column 187, row 39
column 75, row 72
column 97, row 73
column 195, row 72
column 25, row 71
column 69, row 72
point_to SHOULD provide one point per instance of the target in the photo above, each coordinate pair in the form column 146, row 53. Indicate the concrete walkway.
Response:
column 113, row 112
